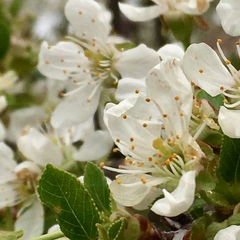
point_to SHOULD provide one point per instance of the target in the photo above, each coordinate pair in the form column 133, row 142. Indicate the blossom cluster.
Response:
column 163, row 110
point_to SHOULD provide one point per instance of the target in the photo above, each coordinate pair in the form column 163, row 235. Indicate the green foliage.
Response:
column 216, row 102
column 66, row 196
column 229, row 168
column 98, row 188
column 4, row 38
column 84, row 210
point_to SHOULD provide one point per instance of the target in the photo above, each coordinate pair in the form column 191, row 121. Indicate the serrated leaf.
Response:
column 229, row 167
column 66, row 196
column 96, row 184
column 116, row 230
column 5, row 235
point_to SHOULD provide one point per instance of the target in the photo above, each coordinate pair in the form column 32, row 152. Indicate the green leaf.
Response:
column 116, row 230
column 102, row 232
column 4, row 235
column 229, row 167
column 4, row 38
column 66, row 196
column 216, row 101
column 205, row 181
column 96, row 184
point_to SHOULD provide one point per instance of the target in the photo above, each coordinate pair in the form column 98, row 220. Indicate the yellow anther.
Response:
column 148, row 100
column 64, row 71
column 119, row 181
column 225, row 100
column 221, row 88
column 93, row 20
column 124, row 116
column 132, row 147
column 219, row 41
column 136, row 91
column 102, row 164
column 62, row 60
column 228, row 62
column 144, row 180
column 177, row 137
column 115, row 150
column 118, row 140
column 200, row 70
column 159, row 155
column 177, row 98
column 182, row 114
column 150, row 159
column 80, row 12
column 192, row 83
column 165, row 115
column 131, row 139
column 238, row 43
column 144, row 125
column 46, row 62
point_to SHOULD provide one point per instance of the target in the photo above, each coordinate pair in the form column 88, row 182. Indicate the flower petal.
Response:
column 127, row 86
column 229, row 14
column 39, row 149
column 97, row 145
column 137, row 62
column 225, row 118
column 169, row 51
column 29, row 212
column 142, row 13
column 230, row 233
column 180, row 199
column 88, row 19
column 62, row 61
column 165, row 83
column 202, row 66
column 77, row 108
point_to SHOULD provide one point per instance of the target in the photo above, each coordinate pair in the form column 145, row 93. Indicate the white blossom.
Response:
column 162, row 7
column 231, row 233
column 202, row 65
column 229, row 14
column 152, row 131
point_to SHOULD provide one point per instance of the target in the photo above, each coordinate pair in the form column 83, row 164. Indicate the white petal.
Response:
column 97, row 145
column 138, row 112
column 227, row 119
column 2, row 131
column 131, row 191
column 171, row 51
column 39, row 149
column 62, row 61
column 202, row 66
column 3, row 103
column 8, row 194
column 127, row 86
column 230, row 233
column 76, row 108
column 7, row 164
column 193, row 7
column 137, row 62
column 180, row 199
column 165, row 82
column 88, row 19
column 229, row 14
column 33, row 212
column 142, row 13
column 19, row 119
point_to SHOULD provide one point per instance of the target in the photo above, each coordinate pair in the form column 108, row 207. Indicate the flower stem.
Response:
column 49, row 236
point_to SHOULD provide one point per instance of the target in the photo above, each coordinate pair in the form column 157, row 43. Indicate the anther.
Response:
column 124, row 116
column 177, row 98
column 150, row 159
column 102, row 164
column 131, row 139
column 80, row 12
column 118, row 140
column 228, row 62
column 46, row 62
column 201, row 70
column 115, row 150
column 238, row 43
column 148, row 100
column 221, row 88
column 144, row 180
column 219, row 41
column 62, row 60
column 136, row 91
column 132, row 147
column 165, row 115
column 144, row 125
